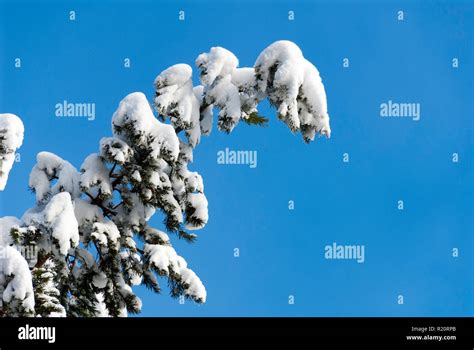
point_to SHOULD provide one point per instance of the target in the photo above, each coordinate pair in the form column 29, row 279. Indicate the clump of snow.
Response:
column 152, row 235
column 218, row 62
column 207, row 116
column 126, row 291
column 100, row 307
column 15, row 278
column 100, row 280
column 58, row 218
column 86, row 212
column 115, row 150
column 175, row 98
column 216, row 69
column 281, row 73
column 134, row 123
column 199, row 216
column 193, row 181
column 6, row 224
column 137, row 214
column 95, row 175
column 294, row 86
column 245, row 80
column 11, row 138
column 107, row 234
column 49, row 167
column 167, row 261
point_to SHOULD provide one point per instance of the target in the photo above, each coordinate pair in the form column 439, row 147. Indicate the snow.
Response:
column 173, row 207
column 49, row 296
column 136, row 176
column 107, row 234
column 153, row 158
column 15, row 277
column 95, row 175
column 86, row 212
column 114, row 149
column 134, row 119
column 244, row 77
column 218, row 62
column 48, row 167
column 292, row 83
column 174, row 95
column 245, row 80
column 6, row 224
column 207, row 115
column 100, row 280
column 175, row 98
column 167, row 261
column 101, row 308
column 152, row 235
column 11, row 138
column 58, row 216
column 126, row 291
column 138, row 215
column 131, row 261
column 199, row 202
column 193, row 182
column 216, row 69
column 281, row 73
column 225, row 95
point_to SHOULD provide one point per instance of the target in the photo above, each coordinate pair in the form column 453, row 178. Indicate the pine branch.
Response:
column 99, row 203
column 256, row 119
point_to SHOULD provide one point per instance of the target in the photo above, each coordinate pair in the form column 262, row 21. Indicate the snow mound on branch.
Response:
column 86, row 212
column 136, row 215
column 101, row 308
column 216, row 69
column 175, row 98
column 245, row 81
column 49, row 167
column 107, row 234
column 115, row 150
column 207, row 116
column 197, row 206
column 95, row 175
column 100, row 280
column 168, row 262
column 6, row 224
column 134, row 123
column 294, row 86
column 218, row 62
column 11, row 138
column 59, row 218
column 15, row 278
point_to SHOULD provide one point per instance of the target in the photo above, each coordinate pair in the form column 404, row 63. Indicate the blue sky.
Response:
column 407, row 252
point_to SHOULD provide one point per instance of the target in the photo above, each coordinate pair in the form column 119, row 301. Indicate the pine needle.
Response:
column 255, row 119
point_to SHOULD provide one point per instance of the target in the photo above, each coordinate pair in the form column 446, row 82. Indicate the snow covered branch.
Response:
column 91, row 227
column 281, row 74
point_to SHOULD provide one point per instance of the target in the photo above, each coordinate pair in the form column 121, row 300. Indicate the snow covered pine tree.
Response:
column 91, row 227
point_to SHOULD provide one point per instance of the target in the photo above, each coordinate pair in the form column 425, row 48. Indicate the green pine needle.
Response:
column 256, row 119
